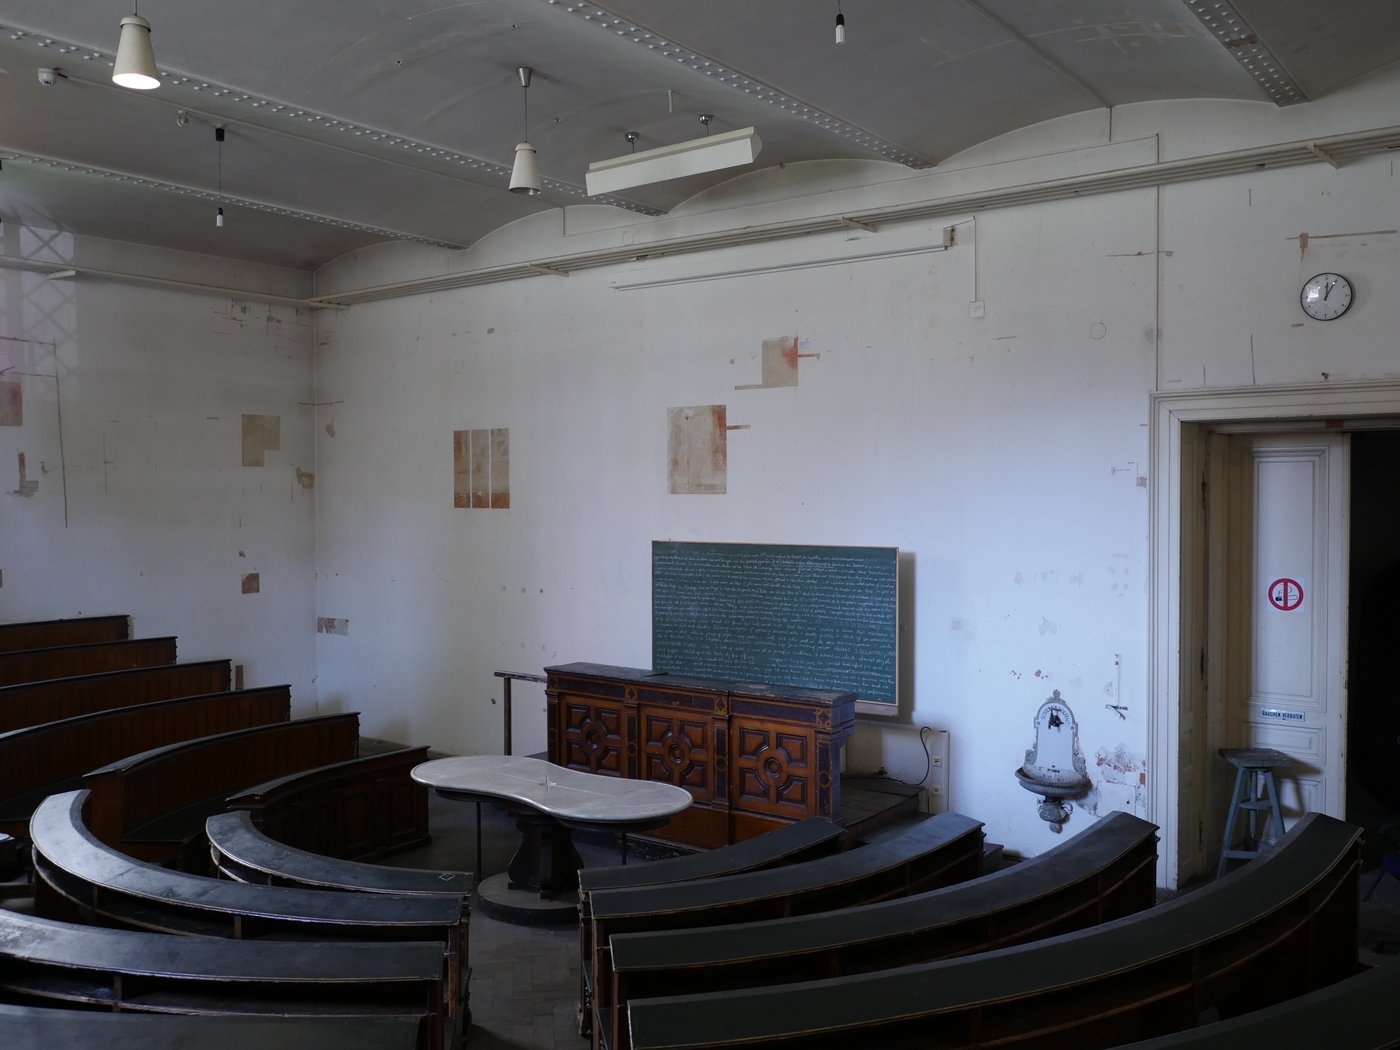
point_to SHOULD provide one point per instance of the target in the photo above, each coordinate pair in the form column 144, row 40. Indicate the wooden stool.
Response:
column 1254, row 779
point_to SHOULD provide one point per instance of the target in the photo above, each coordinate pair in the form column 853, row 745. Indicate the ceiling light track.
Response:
column 73, row 168
column 606, row 20
column 1242, row 43
column 378, row 144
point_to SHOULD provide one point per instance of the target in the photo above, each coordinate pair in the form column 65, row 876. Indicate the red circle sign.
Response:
column 1285, row 594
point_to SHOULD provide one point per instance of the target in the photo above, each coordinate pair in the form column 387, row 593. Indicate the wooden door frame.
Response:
column 1172, row 538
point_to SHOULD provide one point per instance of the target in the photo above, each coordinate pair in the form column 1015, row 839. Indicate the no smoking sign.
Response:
column 1285, row 594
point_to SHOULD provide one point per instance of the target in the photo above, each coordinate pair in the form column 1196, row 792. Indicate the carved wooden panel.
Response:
column 593, row 736
column 676, row 748
column 774, row 769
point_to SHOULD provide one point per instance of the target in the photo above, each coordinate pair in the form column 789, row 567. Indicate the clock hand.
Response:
column 1328, row 291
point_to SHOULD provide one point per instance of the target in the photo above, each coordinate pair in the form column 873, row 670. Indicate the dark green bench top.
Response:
column 72, row 859
column 806, row 839
column 1074, row 863
column 241, row 850
column 45, row 1028
column 1172, row 950
column 816, row 879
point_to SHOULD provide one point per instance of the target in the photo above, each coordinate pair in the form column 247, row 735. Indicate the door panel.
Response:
column 1288, row 606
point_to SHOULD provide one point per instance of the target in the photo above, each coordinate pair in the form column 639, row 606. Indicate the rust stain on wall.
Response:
column 11, row 403
column 481, row 468
column 252, row 583
column 26, row 487
column 261, row 435
column 697, row 450
column 305, row 478
column 779, row 359
column 332, row 625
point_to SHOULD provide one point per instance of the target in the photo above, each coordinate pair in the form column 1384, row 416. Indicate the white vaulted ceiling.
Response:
column 350, row 122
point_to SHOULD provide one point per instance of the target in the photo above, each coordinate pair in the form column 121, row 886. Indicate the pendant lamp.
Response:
column 525, row 176
column 135, row 66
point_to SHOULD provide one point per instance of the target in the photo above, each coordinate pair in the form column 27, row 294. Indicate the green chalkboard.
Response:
column 814, row 617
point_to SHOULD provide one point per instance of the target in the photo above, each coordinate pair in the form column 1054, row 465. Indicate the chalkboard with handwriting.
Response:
column 814, row 617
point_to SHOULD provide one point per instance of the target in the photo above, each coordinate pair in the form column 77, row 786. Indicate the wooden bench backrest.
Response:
column 1277, row 927
column 44, row 634
column 65, row 661
column 140, row 788
column 358, row 809
column 44, row 1028
column 241, row 851
column 56, row 752
column 75, row 875
column 1355, row 1014
column 1105, row 872
column 48, row 960
column 34, row 702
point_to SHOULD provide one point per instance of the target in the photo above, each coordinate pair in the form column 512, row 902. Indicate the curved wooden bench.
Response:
column 1354, row 1014
column 153, row 805
column 45, row 634
column 40, row 760
column 64, row 661
column 42, row 1028
column 242, row 852
column 1105, row 872
column 358, row 809
column 35, row 702
column 806, row 839
column 51, row 962
column 939, row 851
column 1278, row 927
column 79, row 877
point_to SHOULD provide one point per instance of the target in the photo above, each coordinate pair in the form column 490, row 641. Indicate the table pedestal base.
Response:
column 495, row 899
column 546, row 861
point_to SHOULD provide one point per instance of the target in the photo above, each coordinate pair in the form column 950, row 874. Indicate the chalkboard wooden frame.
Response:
column 814, row 617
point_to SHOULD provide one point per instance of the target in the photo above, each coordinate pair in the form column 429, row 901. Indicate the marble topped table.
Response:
column 547, row 801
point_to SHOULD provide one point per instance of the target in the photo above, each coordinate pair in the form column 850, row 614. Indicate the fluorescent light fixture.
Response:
column 695, row 157
column 135, row 66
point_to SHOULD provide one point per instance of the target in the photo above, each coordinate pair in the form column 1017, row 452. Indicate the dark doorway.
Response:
column 1373, row 643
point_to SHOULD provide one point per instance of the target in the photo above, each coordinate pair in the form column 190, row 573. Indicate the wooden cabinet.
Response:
column 753, row 756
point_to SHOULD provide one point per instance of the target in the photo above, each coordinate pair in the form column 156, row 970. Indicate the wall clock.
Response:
column 1326, row 296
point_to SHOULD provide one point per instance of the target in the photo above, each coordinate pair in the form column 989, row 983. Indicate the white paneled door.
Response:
column 1286, row 608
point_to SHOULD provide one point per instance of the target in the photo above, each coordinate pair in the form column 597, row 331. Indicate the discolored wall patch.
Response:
column 332, row 625
column 252, row 583
column 697, row 450
column 481, row 468
column 261, row 435
column 11, row 403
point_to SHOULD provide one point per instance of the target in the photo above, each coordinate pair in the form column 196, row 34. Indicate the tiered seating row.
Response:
column 1281, row 926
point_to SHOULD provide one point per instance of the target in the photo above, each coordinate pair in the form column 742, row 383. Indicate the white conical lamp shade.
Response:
column 135, row 66
column 525, row 176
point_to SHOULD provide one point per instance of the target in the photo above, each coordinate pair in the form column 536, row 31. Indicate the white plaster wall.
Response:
column 1007, row 453
column 1004, row 453
column 143, row 507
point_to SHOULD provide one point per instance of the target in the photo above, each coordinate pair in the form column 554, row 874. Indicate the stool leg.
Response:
column 1230, row 822
column 1273, row 800
column 1251, row 841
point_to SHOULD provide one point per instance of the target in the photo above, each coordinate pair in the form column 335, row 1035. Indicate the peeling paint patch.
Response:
column 261, row 435
column 697, row 452
column 332, row 625
column 305, row 478
column 481, row 468
column 1046, row 627
column 11, row 403
column 26, row 487
column 252, row 583
column 330, row 428
column 1121, row 783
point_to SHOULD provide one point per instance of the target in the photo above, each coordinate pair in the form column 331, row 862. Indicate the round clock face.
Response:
column 1326, row 296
